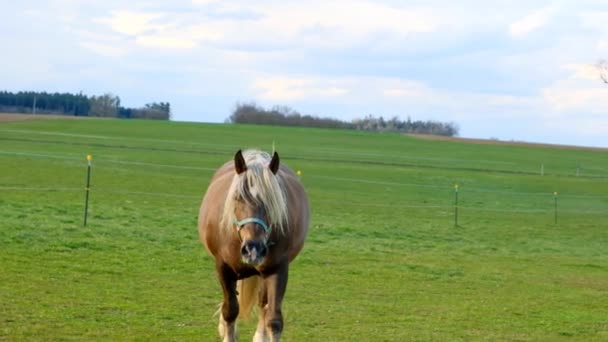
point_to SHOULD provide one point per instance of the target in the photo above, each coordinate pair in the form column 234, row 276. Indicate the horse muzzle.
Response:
column 253, row 252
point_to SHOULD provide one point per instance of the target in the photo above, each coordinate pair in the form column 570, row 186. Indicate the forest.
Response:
column 251, row 113
column 107, row 105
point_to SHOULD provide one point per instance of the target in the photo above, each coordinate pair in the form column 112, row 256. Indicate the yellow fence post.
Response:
column 87, row 189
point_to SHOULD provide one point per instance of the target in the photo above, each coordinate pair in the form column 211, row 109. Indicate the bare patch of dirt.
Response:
column 9, row 117
column 505, row 143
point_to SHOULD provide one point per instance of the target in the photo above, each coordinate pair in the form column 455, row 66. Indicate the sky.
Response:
column 507, row 70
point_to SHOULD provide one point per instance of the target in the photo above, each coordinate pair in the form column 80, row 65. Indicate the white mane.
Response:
column 258, row 186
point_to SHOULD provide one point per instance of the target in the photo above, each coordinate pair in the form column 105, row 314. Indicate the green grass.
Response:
column 383, row 260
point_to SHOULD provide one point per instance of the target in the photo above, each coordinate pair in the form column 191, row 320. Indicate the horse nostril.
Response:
column 253, row 248
column 248, row 247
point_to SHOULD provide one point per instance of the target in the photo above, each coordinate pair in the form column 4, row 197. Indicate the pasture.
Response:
column 383, row 260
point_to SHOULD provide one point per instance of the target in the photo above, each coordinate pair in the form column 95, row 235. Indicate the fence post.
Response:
column 455, row 205
column 87, row 189
column 555, row 206
column 542, row 169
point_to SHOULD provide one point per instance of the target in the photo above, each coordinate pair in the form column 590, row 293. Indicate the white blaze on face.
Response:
column 253, row 254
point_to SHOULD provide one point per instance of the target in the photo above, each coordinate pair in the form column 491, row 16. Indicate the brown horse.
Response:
column 253, row 221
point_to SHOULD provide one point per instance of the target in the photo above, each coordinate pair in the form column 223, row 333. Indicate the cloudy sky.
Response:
column 512, row 70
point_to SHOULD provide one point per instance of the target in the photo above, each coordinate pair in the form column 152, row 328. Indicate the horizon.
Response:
column 508, row 71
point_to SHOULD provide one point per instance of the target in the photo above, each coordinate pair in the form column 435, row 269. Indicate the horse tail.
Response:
column 248, row 290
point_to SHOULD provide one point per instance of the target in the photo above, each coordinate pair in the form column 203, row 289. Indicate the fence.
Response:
column 457, row 207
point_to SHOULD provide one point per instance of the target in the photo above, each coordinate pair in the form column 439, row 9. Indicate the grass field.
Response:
column 383, row 260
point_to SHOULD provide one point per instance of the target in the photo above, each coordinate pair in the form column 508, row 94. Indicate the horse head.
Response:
column 253, row 216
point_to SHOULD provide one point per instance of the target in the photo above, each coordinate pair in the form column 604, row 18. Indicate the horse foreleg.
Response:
column 260, row 332
column 275, row 285
column 230, row 305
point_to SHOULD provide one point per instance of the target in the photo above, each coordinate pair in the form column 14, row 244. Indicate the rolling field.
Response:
column 383, row 260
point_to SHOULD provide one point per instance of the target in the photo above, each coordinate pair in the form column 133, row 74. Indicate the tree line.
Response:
column 251, row 113
column 107, row 105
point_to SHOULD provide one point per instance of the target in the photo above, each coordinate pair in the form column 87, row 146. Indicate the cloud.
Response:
column 204, row 2
column 581, row 91
column 283, row 88
column 104, row 49
column 388, row 95
column 165, row 42
column 414, row 95
column 129, row 22
column 582, row 71
column 532, row 22
column 161, row 30
column 106, row 45
column 595, row 20
column 176, row 38
column 401, row 88
column 339, row 25
column 570, row 96
column 597, row 127
column 330, row 25
column 577, row 103
column 310, row 88
column 347, row 18
column 588, row 129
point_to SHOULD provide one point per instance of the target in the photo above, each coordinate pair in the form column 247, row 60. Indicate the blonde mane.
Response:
column 258, row 186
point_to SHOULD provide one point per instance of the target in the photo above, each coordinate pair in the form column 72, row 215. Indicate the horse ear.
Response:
column 274, row 163
column 239, row 162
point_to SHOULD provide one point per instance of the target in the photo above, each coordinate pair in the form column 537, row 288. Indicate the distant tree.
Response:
column 154, row 111
column 124, row 113
column 105, row 105
column 251, row 113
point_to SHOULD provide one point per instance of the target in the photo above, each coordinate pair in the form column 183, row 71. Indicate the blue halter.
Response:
column 240, row 224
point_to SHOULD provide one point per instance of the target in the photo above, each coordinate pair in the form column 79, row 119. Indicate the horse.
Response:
column 253, row 221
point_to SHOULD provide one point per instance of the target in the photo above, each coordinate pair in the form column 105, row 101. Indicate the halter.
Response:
column 240, row 224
